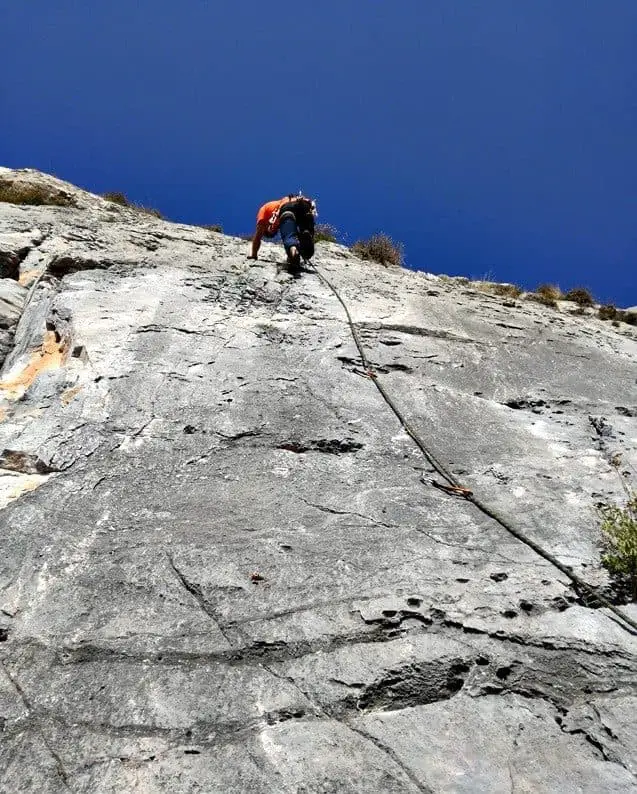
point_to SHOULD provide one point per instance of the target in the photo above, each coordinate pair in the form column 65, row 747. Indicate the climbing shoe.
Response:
column 294, row 258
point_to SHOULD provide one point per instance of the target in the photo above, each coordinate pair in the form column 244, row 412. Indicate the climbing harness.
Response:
column 452, row 486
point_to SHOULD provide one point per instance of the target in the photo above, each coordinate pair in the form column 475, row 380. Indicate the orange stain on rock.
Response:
column 70, row 394
column 28, row 277
column 25, row 486
column 13, row 486
column 50, row 356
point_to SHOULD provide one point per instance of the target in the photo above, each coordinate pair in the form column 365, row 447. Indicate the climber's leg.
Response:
column 290, row 235
column 306, row 244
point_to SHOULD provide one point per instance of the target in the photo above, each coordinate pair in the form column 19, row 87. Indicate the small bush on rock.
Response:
column 581, row 296
column 324, row 233
column 27, row 193
column 549, row 291
column 150, row 211
column 379, row 248
column 629, row 317
column 116, row 197
column 540, row 297
column 608, row 312
column 503, row 290
column 507, row 290
column 619, row 529
column 213, row 227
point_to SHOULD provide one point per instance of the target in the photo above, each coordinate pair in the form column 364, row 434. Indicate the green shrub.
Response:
column 16, row 192
column 379, row 248
column 619, row 530
column 608, row 312
column 581, row 296
column 324, row 233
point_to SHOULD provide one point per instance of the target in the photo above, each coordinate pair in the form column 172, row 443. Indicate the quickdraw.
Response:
column 453, row 490
column 364, row 373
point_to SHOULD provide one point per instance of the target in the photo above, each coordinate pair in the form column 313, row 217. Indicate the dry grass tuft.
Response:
column 546, row 294
column 16, row 192
column 581, row 296
column 611, row 312
column 503, row 290
column 379, row 248
column 629, row 317
column 539, row 297
column 608, row 312
column 116, row 197
column 150, row 211
column 325, row 233
column 549, row 291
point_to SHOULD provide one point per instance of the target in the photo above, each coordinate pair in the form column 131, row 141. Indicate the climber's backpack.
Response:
column 304, row 212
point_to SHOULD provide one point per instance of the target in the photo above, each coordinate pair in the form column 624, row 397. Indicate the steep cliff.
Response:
column 224, row 567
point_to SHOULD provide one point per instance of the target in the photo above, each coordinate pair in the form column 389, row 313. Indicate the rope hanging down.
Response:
column 454, row 487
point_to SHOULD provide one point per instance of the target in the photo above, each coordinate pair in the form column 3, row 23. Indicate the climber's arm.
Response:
column 258, row 236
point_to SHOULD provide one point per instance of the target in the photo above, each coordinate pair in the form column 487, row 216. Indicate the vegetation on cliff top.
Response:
column 18, row 192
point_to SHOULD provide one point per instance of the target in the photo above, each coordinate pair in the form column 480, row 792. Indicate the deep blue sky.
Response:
column 493, row 137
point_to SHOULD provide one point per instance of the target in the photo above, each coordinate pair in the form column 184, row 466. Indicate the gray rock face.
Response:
column 12, row 299
column 221, row 571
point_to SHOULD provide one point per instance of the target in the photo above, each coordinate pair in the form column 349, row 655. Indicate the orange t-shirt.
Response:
column 268, row 210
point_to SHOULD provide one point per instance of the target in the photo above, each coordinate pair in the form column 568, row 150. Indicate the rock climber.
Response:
column 293, row 217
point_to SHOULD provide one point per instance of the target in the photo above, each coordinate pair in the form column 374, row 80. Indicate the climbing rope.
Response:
column 453, row 486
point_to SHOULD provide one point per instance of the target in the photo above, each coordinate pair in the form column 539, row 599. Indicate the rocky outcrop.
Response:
column 223, row 566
